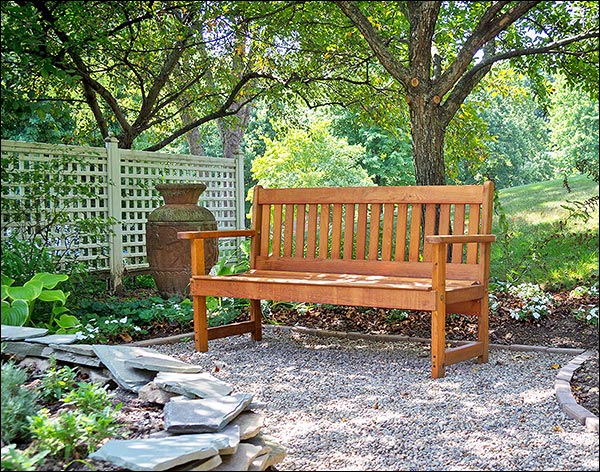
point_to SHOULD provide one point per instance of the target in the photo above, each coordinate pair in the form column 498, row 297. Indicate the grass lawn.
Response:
column 540, row 243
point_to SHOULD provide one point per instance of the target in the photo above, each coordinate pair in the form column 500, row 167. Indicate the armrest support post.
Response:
column 197, row 256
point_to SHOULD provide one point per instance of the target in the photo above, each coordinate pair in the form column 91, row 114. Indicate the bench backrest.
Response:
column 369, row 230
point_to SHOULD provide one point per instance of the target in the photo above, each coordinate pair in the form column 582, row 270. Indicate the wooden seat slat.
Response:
column 386, row 247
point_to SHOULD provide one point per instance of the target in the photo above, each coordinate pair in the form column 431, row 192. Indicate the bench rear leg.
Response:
column 200, row 324
column 256, row 317
column 483, row 328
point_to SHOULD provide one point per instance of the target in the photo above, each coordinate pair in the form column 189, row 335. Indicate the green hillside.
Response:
column 541, row 241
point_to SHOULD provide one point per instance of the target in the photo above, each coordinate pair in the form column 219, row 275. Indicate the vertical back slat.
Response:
column 265, row 230
column 277, row 230
column 400, row 252
column 430, row 217
column 374, row 231
column 324, row 230
column 336, row 231
column 361, row 231
column 459, row 229
column 311, row 237
column 387, row 238
column 444, row 227
column 300, row 221
column 415, row 233
column 288, row 230
column 349, row 231
column 474, row 212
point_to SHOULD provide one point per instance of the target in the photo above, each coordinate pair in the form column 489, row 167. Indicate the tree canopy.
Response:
column 151, row 72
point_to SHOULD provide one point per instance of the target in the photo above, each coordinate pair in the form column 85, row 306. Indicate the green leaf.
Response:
column 53, row 295
column 49, row 280
column 67, row 322
column 36, row 285
column 26, row 292
column 6, row 280
column 15, row 314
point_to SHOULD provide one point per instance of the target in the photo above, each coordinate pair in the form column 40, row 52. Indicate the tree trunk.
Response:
column 231, row 132
column 427, row 131
column 193, row 136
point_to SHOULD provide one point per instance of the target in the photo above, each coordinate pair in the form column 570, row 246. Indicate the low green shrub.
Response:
column 15, row 459
column 18, row 403
column 57, row 381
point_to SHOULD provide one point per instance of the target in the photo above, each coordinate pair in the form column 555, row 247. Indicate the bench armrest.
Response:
column 460, row 238
column 215, row 234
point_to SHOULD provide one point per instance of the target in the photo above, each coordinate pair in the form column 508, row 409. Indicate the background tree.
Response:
column 140, row 68
column 573, row 124
column 310, row 156
column 438, row 52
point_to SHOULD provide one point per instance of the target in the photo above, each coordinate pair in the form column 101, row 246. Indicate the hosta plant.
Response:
column 18, row 301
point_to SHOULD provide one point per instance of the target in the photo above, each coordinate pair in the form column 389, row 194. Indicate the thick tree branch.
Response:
column 395, row 68
column 224, row 110
column 422, row 17
column 489, row 26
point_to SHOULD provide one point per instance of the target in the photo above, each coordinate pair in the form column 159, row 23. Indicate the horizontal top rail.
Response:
column 463, row 194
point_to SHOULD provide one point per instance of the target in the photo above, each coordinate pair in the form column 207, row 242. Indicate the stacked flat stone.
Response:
column 207, row 427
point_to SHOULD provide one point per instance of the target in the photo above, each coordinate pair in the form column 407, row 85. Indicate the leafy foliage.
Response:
column 48, row 193
column 18, row 301
column 310, row 157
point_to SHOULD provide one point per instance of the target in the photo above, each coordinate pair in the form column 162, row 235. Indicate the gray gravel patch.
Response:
column 341, row 404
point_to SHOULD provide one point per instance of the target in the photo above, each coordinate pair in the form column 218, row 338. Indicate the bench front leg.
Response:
column 200, row 324
column 438, row 316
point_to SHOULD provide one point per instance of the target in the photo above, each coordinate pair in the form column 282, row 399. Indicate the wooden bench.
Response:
column 423, row 248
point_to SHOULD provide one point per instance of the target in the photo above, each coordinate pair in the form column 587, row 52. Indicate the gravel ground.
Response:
column 340, row 404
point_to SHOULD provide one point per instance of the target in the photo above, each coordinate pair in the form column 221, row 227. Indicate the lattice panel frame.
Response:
column 133, row 190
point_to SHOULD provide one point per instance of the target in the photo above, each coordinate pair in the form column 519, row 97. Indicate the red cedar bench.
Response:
column 423, row 248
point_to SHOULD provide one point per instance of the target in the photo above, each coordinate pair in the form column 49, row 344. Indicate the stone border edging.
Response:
column 562, row 385
column 564, row 394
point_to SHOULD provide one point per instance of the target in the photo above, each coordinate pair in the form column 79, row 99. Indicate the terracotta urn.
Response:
column 169, row 257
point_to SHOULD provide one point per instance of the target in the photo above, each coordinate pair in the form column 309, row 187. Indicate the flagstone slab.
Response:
column 260, row 462
column 206, row 415
column 55, row 339
column 157, row 362
column 116, row 358
column 158, row 453
column 80, row 349
column 78, row 359
column 23, row 349
column 20, row 333
column 242, row 459
column 250, row 424
column 207, row 464
column 230, row 433
column 202, row 385
column 277, row 453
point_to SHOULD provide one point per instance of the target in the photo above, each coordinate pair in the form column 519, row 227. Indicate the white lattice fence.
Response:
column 122, row 186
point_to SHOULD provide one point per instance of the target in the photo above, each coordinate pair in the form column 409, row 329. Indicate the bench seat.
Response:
column 379, row 291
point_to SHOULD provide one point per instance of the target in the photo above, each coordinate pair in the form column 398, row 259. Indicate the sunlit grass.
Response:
column 537, row 248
